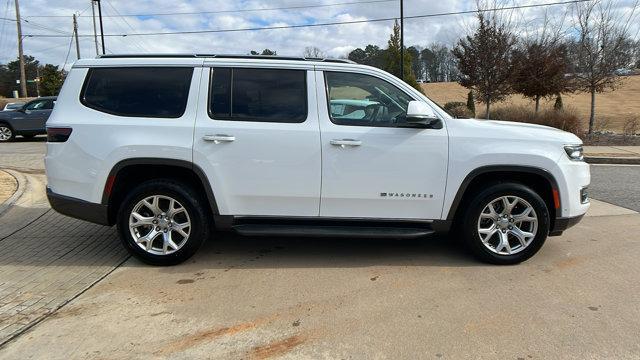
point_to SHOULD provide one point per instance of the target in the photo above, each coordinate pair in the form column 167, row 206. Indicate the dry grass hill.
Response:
column 612, row 108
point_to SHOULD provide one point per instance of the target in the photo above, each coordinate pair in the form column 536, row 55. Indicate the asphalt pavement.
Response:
column 616, row 184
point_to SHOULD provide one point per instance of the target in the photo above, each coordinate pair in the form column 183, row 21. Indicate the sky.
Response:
column 54, row 17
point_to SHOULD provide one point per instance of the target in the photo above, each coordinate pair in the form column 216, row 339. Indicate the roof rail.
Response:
column 224, row 56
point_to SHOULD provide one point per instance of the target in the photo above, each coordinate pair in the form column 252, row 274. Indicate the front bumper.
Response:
column 79, row 209
column 563, row 223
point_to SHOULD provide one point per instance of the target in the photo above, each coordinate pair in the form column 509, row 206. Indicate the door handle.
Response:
column 219, row 138
column 345, row 142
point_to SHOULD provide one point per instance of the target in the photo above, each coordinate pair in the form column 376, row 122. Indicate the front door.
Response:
column 257, row 139
column 36, row 114
column 371, row 168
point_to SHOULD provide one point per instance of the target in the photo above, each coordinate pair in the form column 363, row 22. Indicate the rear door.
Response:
column 257, row 139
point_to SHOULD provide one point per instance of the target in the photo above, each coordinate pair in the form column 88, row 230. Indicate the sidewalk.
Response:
column 612, row 154
column 8, row 185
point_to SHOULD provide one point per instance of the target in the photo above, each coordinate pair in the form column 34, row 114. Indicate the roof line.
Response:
column 224, row 56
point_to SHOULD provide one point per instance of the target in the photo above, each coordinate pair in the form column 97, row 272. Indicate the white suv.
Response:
column 169, row 148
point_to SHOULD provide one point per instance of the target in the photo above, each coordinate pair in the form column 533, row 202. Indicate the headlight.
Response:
column 574, row 152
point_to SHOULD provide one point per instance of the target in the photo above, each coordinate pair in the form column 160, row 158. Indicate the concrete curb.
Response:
column 21, row 180
column 612, row 160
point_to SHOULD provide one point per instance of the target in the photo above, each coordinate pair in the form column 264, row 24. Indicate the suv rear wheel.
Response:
column 162, row 222
column 505, row 224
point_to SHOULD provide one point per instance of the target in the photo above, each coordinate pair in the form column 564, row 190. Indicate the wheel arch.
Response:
column 540, row 180
column 137, row 170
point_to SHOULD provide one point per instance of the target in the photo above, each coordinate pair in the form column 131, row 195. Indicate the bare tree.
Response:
column 601, row 48
column 313, row 52
column 541, row 62
column 484, row 60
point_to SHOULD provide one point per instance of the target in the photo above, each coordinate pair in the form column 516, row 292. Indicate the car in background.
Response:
column 623, row 72
column 28, row 120
column 13, row 106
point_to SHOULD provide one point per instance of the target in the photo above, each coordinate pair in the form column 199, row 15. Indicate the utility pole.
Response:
column 401, row 40
column 101, row 28
column 37, row 81
column 95, row 32
column 75, row 33
column 23, row 76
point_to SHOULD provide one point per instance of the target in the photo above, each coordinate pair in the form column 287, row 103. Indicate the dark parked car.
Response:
column 27, row 121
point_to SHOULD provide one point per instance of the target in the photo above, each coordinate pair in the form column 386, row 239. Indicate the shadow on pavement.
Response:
column 57, row 240
column 231, row 250
column 38, row 138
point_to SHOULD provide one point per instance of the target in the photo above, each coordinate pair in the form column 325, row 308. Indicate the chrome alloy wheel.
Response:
column 507, row 225
column 160, row 225
column 5, row 133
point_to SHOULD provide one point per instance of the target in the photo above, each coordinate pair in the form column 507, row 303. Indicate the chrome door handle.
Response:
column 219, row 138
column 345, row 142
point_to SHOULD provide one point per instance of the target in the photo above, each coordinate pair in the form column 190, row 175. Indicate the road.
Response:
column 72, row 286
column 618, row 185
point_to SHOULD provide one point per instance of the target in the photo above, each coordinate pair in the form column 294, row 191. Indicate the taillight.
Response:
column 58, row 134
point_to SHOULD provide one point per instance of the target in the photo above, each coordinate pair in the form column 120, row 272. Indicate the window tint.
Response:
column 48, row 105
column 363, row 100
column 38, row 105
column 267, row 95
column 138, row 92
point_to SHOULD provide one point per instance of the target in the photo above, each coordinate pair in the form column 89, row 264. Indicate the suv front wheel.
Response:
column 506, row 223
column 162, row 222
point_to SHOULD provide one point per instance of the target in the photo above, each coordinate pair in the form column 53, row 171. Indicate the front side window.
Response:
column 266, row 95
column 38, row 105
column 138, row 91
column 364, row 100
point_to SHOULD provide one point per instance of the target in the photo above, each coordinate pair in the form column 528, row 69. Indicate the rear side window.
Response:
column 267, row 95
column 138, row 92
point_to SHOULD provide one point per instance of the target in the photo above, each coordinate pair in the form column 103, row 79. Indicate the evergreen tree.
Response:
column 471, row 105
column 392, row 59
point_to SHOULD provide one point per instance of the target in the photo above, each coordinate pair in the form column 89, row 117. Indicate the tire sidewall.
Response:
column 13, row 132
column 185, row 196
column 470, row 231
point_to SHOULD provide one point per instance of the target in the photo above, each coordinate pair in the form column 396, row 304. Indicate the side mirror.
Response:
column 421, row 115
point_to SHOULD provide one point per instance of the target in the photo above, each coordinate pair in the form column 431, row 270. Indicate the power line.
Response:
column 328, row 23
column 42, row 27
column 2, row 33
column 136, row 43
column 240, row 10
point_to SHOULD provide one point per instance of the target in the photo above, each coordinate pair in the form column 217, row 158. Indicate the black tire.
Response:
column 471, row 236
column 4, row 128
column 183, row 194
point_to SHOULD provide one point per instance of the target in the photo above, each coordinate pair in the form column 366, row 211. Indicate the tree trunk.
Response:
column 537, row 103
column 486, row 114
column 592, row 117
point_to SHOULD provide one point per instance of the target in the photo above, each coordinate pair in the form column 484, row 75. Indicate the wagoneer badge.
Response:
column 406, row 195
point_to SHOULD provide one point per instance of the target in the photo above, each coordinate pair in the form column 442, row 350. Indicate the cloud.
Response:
column 335, row 40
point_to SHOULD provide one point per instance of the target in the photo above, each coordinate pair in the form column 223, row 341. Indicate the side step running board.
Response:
column 331, row 230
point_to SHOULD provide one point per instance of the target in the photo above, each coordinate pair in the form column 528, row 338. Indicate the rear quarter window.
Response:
column 160, row 92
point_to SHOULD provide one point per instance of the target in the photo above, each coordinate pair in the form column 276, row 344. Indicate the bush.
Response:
column 566, row 119
column 458, row 109
column 461, row 112
column 631, row 126
column 452, row 104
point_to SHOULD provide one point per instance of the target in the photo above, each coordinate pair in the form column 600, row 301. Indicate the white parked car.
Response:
column 169, row 148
